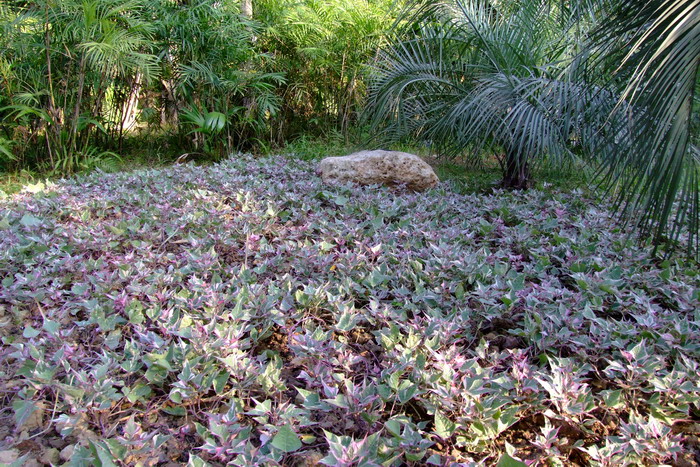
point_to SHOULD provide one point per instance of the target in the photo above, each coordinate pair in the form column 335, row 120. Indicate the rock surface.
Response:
column 379, row 167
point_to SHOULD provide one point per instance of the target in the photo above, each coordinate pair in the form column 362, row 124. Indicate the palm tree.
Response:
column 650, row 52
column 469, row 74
column 612, row 81
column 67, row 61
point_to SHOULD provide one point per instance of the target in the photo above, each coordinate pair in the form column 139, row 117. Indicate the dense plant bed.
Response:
column 244, row 313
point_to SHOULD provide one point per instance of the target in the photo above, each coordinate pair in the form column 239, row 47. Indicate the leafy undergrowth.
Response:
column 244, row 313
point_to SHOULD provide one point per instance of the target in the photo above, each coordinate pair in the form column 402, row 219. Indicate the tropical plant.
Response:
column 650, row 52
column 470, row 75
column 324, row 47
column 76, row 75
column 209, row 61
column 65, row 63
column 83, row 78
column 603, row 80
column 207, row 124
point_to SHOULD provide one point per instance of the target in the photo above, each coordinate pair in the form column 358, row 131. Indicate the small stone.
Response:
column 379, row 168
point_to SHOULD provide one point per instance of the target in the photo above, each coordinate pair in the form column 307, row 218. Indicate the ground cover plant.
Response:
column 245, row 314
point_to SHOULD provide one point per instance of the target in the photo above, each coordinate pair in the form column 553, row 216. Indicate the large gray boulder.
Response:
column 379, row 167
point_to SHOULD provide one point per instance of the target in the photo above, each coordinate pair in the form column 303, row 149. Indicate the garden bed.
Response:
column 244, row 313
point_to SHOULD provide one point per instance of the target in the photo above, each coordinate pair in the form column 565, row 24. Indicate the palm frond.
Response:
column 653, row 52
column 470, row 75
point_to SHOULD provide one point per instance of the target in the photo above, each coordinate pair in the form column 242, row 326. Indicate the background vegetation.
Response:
column 85, row 82
column 567, row 84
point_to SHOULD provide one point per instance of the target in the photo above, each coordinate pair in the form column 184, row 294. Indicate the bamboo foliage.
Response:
column 324, row 47
column 63, row 56
column 79, row 73
column 209, row 64
column 81, row 76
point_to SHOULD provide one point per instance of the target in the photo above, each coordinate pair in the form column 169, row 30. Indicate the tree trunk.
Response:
column 129, row 108
column 248, row 97
column 169, row 112
column 247, row 8
column 516, row 171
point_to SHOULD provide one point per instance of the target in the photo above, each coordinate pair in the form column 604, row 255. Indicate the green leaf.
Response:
column 196, row 461
column 507, row 461
column 81, row 457
column 459, row 291
column 177, row 411
column 326, row 246
column 176, row 396
column 220, row 381
column 394, row 426
column 394, row 380
column 139, row 391
column 104, row 456
column 286, row 440
column 214, row 122
column 346, row 322
column 30, row 332
column 135, row 312
column 30, row 221
column 444, row 427
column 406, row 391
column 115, row 230
column 51, row 327
column 117, row 450
column 341, row 200
column 79, row 289
column 613, row 399
column 23, row 410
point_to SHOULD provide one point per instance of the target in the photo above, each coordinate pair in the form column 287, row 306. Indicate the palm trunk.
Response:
column 516, row 171
column 78, row 101
column 128, row 119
